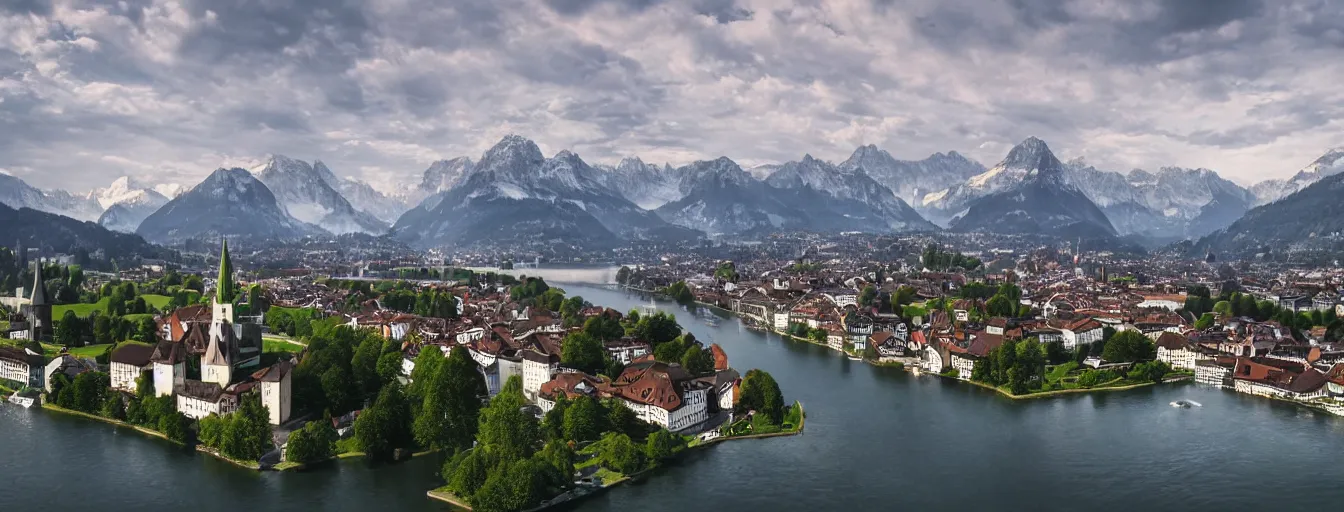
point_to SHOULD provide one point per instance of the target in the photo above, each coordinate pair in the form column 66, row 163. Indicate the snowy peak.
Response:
column 125, row 190
column 445, row 174
column 1034, row 156
column 230, row 202
column 913, row 180
column 309, row 194
column 1329, row 164
column 512, row 156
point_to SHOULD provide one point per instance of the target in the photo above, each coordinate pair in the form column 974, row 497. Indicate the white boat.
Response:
column 24, row 401
column 855, row 358
column 1186, row 404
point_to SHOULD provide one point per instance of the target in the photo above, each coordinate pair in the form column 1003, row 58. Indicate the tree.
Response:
column 1128, row 345
column 583, row 420
column 468, row 471
column 583, row 352
column 113, row 407
column 623, row 419
column 505, row 428
column 604, row 328
column 761, row 393
column 315, row 442
column 147, row 331
column 174, row 426
column 903, row 295
column 386, row 426
column 657, row 328
column 389, row 367
column 339, row 389
column 102, row 329
column 69, row 330
column 449, row 412
column 364, row 365
column 662, row 445
column 867, row 296
column 697, row 361
column 619, row 453
column 247, row 432
column 1205, row 321
column 211, row 431
column 1000, row 305
column 1223, row 308
column 1152, row 370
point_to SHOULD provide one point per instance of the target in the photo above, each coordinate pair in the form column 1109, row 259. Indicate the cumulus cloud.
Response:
column 166, row 91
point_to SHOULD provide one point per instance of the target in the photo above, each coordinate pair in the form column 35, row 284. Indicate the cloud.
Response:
column 167, row 91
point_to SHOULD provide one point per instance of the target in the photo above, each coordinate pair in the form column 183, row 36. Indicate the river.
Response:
column 877, row 439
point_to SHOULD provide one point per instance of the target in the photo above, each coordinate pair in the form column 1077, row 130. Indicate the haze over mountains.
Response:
column 513, row 191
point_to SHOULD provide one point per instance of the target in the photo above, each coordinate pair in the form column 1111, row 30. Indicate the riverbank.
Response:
column 110, row 421
column 1058, row 392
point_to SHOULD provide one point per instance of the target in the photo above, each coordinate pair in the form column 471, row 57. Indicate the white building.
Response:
column 1083, row 332
column 538, row 369
column 275, row 390
column 663, row 395
column 781, row 321
column 23, row 366
column 168, row 366
column 1177, row 351
column 196, row 399
column 964, row 364
column 69, row 365
column 128, row 362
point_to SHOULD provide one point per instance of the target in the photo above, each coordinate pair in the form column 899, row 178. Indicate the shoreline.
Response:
column 907, row 368
column 148, row 432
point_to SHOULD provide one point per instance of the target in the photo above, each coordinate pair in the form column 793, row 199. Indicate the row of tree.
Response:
column 244, row 434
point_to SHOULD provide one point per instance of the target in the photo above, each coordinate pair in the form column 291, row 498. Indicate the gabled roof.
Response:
column 134, row 354
column 1172, row 341
column 275, row 372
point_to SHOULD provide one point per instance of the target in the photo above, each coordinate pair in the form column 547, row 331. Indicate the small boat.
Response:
column 23, row 401
column 1186, row 404
column 855, row 358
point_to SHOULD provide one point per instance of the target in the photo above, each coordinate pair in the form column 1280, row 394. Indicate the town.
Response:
column 533, row 397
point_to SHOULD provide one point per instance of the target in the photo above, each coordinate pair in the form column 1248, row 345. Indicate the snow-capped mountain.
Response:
column 309, row 197
column 646, row 185
column 229, row 203
column 852, row 193
column 440, row 176
column 514, row 192
column 941, row 206
column 16, row 193
column 1313, row 216
column 170, row 190
column 721, row 198
column 362, row 196
column 126, row 203
column 913, row 180
column 1171, row 203
column 1329, row 164
column 1042, row 202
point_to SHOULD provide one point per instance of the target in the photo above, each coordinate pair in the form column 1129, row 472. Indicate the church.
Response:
column 227, row 353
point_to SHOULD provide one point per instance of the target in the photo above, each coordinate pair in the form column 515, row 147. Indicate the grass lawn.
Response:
column 273, row 344
column 84, row 310
column 91, row 351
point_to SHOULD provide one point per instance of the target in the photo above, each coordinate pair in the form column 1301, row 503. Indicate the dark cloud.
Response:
column 722, row 11
column 336, row 29
column 38, row 7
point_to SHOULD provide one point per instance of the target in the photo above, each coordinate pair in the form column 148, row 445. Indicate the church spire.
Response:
column 224, row 287
column 39, row 297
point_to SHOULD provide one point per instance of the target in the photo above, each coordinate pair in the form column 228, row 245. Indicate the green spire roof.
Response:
column 224, row 287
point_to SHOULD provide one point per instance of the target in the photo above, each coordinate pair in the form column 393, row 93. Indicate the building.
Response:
column 23, row 366
column 571, row 385
column 128, row 362
column 168, row 367
column 627, row 350
column 1176, row 350
column 1214, row 372
column 538, row 369
column 276, row 392
column 69, row 365
column 196, row 399
column 1081, row 332
column 38, row 310
column 1276, row 378
column 662, row 394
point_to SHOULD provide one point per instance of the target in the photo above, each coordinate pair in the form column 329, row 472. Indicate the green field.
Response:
column 274, row 344
column 84, row 310
column 90, row 351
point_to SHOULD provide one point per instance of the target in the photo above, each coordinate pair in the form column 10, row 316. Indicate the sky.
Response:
column 167, row 91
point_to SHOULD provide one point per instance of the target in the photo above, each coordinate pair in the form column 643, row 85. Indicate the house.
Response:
column 538, row 369
column 1215, row 372
column 1163, row 301
column 1276, row 378
column 197, row 399
column 885, row 343
column 169, row 367
column 1176, row 350
column 627, row 349
column 662, row 394
column 23, row 366
column 69, row 365
column 128, row 362
column 1323, row 302
column 1296, row 303
column 570, row 385
column 276, row 392
column 1081, row 332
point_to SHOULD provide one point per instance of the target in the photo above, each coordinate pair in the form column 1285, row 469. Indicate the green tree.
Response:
column 113, row 407
column 867, row 295
column 364, row 365
column 468, row 471
column 623, row 419
column 1205, row 321
column 583, row 352
column 247, row 433
column 697, row 361
column 389, row 367
column 386, row 426
column 315, row 442
column 663, row 445
column 619, row 453
column 761, row 393
column 1128, row 345
column 671, row 351
column 903, row 296
column 505, row 428
column 69, row 330
column 211, row 430
column 147, row 331
column 604, row 328
column 174, row 426
column 583, row 420
column 449, row 413
column 657, row 328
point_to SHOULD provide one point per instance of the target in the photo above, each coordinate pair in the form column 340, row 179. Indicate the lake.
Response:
column 876, row 439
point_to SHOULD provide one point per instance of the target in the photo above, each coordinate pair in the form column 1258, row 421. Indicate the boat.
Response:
column 23, row 401
column 1186, row 404
column 855, row 358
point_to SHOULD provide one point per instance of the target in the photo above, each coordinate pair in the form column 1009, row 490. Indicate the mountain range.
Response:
column 515, row 192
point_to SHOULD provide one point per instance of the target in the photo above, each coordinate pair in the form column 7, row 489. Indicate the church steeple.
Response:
column 39, row 296
column 224, row 287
